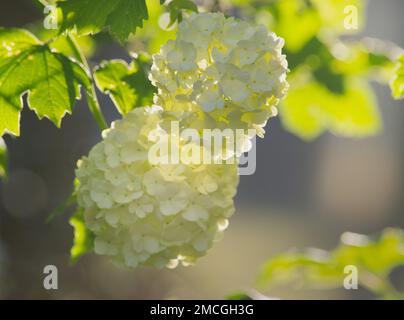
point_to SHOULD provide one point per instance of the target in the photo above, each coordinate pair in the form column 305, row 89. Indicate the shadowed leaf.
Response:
column 128, row 85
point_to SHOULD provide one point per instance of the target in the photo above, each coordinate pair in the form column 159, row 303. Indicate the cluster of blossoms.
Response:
column 151, row 214
column 219, row 73
column 223, row 72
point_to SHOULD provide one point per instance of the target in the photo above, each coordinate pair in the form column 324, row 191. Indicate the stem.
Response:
column 95, row 109
column 91, row 93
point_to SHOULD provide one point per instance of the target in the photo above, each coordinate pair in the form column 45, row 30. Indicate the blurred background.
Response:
column 303, row 194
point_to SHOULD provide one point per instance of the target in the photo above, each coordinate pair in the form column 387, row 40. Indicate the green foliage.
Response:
column 374, row 259
column 316, row 56
column 332, row 94
column 362, row 61
column 290, row 16
column 329, row 91
column 311, row 18
column 119, row 17
column 311, row 108
column 397, row 85
column 327, row 65
column 128, row 85
column 83, row 238
column 155, row 31
column 3, row 159
column 175, row 7
column 61, row 43
column 51, row 79
column 323, row 67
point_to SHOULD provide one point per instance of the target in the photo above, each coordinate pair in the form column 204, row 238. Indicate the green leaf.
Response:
column 51, row 79
column 183, row 5
column 300, row 269
column 119, row 17
column 3, row 159
column 61, row 44
column 378, row 257
column 316, row 268
column 297, row 21
column 310, row 109
column 83, row 238
column 365, row 59
column 293, row 15
column 176, row 7
column 127, row 85
column 316, row 55
column 61, row 41
column 397, row 84
column 333, row 81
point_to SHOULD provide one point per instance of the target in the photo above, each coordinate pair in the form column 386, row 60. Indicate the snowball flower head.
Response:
column 143, row 213
column 226, row 73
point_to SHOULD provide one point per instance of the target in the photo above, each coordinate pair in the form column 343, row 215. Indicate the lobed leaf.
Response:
column 120, row 17
column 51, row 79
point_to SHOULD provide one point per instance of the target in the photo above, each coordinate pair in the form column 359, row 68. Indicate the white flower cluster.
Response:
column 144, row 214
column 219, row 73
column 226, row 73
